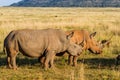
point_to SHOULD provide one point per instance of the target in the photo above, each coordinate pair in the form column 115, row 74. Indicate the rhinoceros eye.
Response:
column 96, row 44
column 74, row 46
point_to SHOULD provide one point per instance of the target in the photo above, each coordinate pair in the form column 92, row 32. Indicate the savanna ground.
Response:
column 105, row 21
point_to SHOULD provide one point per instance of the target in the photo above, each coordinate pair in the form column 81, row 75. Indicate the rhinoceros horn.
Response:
column 106, row 42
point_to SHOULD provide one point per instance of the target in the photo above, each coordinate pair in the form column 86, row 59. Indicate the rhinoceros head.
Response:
column 94, row 46
column 73, row 49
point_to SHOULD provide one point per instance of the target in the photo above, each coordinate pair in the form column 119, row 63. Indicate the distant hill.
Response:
column 67, row 3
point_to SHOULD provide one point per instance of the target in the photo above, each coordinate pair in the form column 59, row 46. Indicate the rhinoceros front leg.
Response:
column 52, row 60
column 70, row 59
column 49, row 59
column 42, row 60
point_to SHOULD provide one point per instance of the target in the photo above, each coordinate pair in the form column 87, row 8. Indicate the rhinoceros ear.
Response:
column 70, row 35
column 92, row 34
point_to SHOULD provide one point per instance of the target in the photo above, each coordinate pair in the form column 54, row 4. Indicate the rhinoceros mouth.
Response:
column 91, row 51
column 95, row 52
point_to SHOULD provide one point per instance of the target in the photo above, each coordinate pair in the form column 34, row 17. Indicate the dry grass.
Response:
column 105, row 21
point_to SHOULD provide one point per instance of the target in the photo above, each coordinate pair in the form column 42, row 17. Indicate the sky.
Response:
column 8, row 2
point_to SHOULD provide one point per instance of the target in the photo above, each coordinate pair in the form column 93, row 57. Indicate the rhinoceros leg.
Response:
column 70, row 59
column 8, row 62
column 13, row 62
column 42, row 60
column 52, row 60
column 75, row 60
column 13, row 59
column 49, row 59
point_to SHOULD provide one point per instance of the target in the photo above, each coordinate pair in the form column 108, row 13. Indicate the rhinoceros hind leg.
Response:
column 13, row 59
column 75, row 60
column 8, row 62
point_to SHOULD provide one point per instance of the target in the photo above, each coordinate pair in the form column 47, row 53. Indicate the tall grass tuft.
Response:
column 81, row 72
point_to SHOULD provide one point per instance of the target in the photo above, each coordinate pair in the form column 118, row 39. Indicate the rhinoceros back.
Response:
column 34, row 43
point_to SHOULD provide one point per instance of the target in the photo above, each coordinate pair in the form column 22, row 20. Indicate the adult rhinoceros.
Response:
column 84, row 38
column 36, row 43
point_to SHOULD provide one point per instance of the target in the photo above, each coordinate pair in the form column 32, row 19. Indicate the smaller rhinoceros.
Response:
column 87, row 41
column 36, row 43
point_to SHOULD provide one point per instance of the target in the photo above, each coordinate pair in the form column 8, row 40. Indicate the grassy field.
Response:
column 105, row 21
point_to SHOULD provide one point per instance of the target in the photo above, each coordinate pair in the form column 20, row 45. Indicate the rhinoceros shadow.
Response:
column 27, row 61
column 91, row 62
column 20, row 62
column 3, row 61
column 99, row 62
